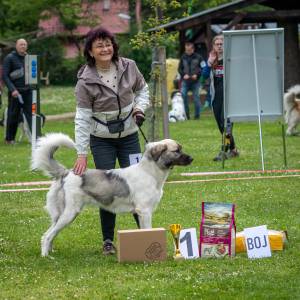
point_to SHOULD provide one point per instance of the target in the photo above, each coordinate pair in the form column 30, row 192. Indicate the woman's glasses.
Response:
column 103, row 46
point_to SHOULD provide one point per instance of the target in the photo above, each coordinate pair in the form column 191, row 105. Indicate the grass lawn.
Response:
column 80, row 271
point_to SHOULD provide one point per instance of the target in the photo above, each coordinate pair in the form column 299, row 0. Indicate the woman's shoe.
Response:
column 232, row 153
column 108, row 248
column 221, row 156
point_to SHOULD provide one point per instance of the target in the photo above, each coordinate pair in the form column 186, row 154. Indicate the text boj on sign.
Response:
column 257, row 242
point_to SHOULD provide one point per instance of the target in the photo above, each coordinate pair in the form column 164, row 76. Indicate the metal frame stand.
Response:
column 258, row 103
column 279, row 53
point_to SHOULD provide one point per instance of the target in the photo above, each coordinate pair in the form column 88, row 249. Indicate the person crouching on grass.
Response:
column 215, row 70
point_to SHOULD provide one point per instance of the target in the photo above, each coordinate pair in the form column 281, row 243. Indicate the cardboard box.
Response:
column 142, row 245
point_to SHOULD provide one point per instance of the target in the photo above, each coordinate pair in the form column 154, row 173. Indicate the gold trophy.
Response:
column 175, row 230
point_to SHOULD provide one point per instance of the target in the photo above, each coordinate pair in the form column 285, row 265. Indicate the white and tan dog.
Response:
column 292, row 109
column 137, row 188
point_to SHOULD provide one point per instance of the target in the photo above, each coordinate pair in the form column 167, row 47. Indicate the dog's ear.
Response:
column 157, row 150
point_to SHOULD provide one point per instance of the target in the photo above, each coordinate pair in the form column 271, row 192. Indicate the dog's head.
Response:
column 177, row 98
column 167, row 153
column 175, row 93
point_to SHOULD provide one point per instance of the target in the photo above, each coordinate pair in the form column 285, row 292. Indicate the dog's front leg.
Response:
column 145, row 219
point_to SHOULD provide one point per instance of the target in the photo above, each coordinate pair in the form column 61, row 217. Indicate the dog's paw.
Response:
column 44, row 250
column 48, row 256
column 44, row 253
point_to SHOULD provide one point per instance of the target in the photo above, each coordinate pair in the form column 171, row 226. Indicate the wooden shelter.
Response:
column 284, row 14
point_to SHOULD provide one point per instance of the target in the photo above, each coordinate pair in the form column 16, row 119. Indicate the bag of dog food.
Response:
column 217, row 230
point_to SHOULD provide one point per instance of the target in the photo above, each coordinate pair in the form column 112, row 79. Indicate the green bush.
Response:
column 51, row 52
column 143, row 56
column 68, row 71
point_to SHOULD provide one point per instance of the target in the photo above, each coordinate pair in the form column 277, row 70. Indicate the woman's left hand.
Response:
column 139, row 118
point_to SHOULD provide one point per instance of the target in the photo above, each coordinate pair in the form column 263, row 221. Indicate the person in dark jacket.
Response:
column 190, row 71
column 18, row 92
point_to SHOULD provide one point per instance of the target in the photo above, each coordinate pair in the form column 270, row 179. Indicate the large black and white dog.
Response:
column 137, row 188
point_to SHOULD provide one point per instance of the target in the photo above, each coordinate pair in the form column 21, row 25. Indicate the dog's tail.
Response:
column 42, row 157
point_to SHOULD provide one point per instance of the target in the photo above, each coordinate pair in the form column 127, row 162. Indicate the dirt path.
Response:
column 65, row 116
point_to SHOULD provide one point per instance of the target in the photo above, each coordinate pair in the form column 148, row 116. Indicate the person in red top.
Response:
column 215, row 70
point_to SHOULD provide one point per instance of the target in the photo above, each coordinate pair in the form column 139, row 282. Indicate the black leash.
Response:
column 143, row 135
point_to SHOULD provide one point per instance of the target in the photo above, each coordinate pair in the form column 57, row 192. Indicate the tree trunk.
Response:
column 138, row 15
column 159, row 56
column 291, row 54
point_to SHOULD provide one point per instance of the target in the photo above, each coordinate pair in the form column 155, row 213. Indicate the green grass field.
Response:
column 80, row 271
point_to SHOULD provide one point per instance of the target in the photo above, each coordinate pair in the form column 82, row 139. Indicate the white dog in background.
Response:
column 292, row 109
column 178, row 112
column 137, row 188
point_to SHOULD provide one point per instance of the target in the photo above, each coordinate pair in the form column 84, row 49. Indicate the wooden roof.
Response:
column 222, row 14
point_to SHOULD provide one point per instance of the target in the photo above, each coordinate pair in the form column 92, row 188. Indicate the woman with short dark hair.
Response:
column 112, row 97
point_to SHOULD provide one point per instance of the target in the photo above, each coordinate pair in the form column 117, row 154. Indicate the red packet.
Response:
column 217, row 230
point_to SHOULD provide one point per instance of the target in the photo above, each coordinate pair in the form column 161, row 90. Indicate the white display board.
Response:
column 253, row 74
column 188, row 243
column 257, row 242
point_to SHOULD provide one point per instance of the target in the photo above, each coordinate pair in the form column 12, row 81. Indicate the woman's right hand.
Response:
column 80, row 165
column 212, row 57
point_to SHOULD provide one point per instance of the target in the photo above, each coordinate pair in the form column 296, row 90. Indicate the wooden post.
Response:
column 284, row 145
column 138, row 15
column 164, row 92
column 159, row 58
column 208, row 36
column 181, row 41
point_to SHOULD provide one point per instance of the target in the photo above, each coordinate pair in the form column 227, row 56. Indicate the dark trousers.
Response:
column 14, row 113
column 194, row 86
column 105, row 152
column 218, row 109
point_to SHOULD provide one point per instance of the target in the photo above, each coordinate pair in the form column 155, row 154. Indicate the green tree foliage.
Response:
column 155, row 18
column 62, row 71
column 142, row 43
column 159, row 12
column 19, row 16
